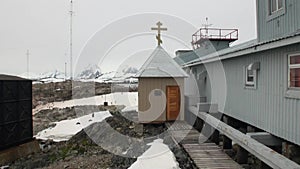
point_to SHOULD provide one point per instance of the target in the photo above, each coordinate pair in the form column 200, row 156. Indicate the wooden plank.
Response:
column 205, row 144
column 264, row 153
column 210, row 164
column 173, row 102
column 208, row 153
column 208, row 149
column 209, row 158
column 179, row 125
column 205, row 155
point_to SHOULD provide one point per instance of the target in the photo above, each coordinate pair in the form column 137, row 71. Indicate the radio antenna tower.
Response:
column 27, row 55
column 71, row 39
column 65, row 70
column 207, row 25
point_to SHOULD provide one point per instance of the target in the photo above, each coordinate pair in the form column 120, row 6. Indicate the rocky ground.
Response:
column 83, row 150
column 46, row 118
column 44, row 93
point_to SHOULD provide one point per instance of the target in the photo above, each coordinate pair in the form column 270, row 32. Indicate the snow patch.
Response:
column 130, row 108
column 158, row 156
column 128, row 99
column 65, row 129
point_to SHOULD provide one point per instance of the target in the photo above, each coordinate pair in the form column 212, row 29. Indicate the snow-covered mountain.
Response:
column 130, row 70
column 52, row 74
column 126, row 72
column 90, row 72
column 107, row 76
column 94, row 73
column 47, row 77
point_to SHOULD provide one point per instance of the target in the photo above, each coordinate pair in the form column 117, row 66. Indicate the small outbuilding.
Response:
column 15, row 111
column 161, row 89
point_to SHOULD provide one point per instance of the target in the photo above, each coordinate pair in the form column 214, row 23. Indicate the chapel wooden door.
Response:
column 173, row 102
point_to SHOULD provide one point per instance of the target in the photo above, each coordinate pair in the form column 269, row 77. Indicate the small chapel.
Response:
column 161, row 86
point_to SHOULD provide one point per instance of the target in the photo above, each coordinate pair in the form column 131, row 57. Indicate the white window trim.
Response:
column 271, row 15
column 292, row 92
column 250, row 85
column 277, row 7
column 289, row 70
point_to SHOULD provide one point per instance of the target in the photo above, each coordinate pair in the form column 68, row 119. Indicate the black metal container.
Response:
column 15, row 111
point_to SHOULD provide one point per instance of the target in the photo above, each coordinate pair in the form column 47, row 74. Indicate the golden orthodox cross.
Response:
column 159, row 29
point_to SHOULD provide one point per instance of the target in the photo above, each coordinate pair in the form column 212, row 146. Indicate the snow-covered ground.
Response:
column 65, row 129
column 130, row 108
column 158, row 156
column 128, row 99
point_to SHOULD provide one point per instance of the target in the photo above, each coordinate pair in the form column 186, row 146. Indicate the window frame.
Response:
column 278, row 12
column 249, row 84
column 271, row 11
column 289, row 70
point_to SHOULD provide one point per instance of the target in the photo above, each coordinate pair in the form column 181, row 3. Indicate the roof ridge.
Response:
column 162, row 65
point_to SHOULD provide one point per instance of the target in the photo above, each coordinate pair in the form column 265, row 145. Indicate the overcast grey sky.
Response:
column 42, row 27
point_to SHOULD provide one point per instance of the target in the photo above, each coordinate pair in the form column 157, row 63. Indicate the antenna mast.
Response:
column 71, row 39
column 65, row 70
column 27, row 55
column 207, row 25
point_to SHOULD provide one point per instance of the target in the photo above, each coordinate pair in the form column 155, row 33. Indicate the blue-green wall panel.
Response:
column 265, row 107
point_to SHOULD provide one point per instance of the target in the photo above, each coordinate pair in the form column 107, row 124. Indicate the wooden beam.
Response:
column 264, row 153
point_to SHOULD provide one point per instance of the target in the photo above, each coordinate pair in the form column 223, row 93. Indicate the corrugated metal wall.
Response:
column 146, row 86
column 266, row 107
column 283, row 25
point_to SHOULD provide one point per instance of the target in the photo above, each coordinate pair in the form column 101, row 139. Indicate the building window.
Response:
column 250, row 77
column 275, row 5
column 194, row 70
column 294, row 71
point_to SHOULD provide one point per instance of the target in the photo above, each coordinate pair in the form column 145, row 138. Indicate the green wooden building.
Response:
column 257, row 82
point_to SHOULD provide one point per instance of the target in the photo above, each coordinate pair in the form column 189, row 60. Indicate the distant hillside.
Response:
column 90, row 72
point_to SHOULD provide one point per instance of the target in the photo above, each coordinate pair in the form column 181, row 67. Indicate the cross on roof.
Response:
column 159, row 29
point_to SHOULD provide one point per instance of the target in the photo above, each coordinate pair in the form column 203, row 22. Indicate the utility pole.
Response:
column 65, row 70
column 71, row 39
column 66, row 64
column 27, row 55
